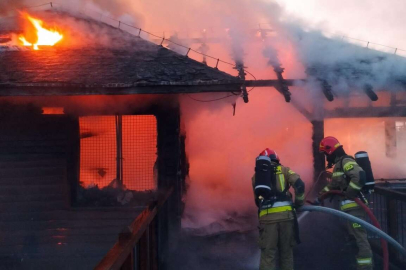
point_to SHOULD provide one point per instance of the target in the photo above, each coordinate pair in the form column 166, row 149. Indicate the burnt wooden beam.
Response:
column 318, row 158
column 276, row 83
column 169, row 176
column 281, row 86
column 270, row 83
column 82, row 91
column 51, row 90
column 326, row 87
column 241, row 74
column 370, row 92
column 363, row 112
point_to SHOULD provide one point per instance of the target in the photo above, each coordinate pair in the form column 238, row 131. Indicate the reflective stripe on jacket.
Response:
column 277, row 207
column 346, row 177
column 284, row 176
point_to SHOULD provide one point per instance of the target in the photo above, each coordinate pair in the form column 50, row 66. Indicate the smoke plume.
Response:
column 222, row 147
column 9, row 5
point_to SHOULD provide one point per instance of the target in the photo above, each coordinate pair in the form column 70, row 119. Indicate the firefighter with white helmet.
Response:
column 277, row 217
column 349, row 178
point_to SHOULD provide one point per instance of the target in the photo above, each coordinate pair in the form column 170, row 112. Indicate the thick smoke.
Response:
column 222, row 150
column 370, row 136
column 222, row 147
column 7, row 6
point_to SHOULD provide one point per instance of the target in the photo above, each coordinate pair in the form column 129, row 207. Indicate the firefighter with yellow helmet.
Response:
column 277, row 217
column 349, row 178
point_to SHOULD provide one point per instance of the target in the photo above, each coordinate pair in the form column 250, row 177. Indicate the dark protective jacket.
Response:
column 282, row 211
column 348, row 177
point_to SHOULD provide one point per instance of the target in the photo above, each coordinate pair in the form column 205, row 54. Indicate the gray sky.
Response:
column 380, row 21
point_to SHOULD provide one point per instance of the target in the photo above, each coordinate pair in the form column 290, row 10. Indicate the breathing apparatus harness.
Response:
column 266, row 191
column 267, row 195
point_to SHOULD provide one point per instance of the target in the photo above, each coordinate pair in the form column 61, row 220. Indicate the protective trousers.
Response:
column 364, row 256
column 276, row 239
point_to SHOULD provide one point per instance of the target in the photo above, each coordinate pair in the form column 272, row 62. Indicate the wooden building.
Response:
column 83, row 132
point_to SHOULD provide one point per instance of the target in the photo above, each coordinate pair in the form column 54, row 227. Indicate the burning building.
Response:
column 92, row 118
column 95, row 126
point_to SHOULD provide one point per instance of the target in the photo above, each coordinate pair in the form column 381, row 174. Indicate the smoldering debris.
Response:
column 237, row 251
column 234, row 222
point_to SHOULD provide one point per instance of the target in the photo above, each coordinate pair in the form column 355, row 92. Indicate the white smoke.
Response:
column 223, row 147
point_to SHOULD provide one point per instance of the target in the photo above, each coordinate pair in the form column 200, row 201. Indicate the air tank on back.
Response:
column 362, row 159
column 264, row 172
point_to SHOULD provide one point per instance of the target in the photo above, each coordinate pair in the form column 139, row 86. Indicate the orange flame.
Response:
column 44, row 36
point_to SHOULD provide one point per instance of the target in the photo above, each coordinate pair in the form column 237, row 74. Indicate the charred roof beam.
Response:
column 326, row 87
column 241, row 74
column 370, row 93
column 282, row 86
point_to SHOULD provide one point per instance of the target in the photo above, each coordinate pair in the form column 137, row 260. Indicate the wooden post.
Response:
column 319, row 163
column 169, row 156
column 390, row 138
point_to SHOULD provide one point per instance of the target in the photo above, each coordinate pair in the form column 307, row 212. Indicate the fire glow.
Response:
column 44, row 37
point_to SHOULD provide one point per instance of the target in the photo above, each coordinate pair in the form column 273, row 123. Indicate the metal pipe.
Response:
column 366, row 225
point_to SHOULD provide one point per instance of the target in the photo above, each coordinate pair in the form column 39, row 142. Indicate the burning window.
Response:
column 118, row 150
column 53, row 110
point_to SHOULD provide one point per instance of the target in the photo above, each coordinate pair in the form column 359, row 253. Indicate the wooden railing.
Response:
column 389, row 206
column 138, row 245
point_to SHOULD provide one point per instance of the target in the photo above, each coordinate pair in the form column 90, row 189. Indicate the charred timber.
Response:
column 241, row 75
column 272, row 83
column 319, row 163
column 38, row 90
column 282, row 87
column 370, row 93
column 326, row 87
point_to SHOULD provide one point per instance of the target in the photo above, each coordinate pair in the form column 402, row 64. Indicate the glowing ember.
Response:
column 48, row 37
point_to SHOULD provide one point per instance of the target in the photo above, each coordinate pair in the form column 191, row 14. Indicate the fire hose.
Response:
column 375, row 222
column 371, row 216
column 349, row 217
column 374, row 229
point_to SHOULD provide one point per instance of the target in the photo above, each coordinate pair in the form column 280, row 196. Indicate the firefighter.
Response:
column 349, row 178
column 278, row 230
